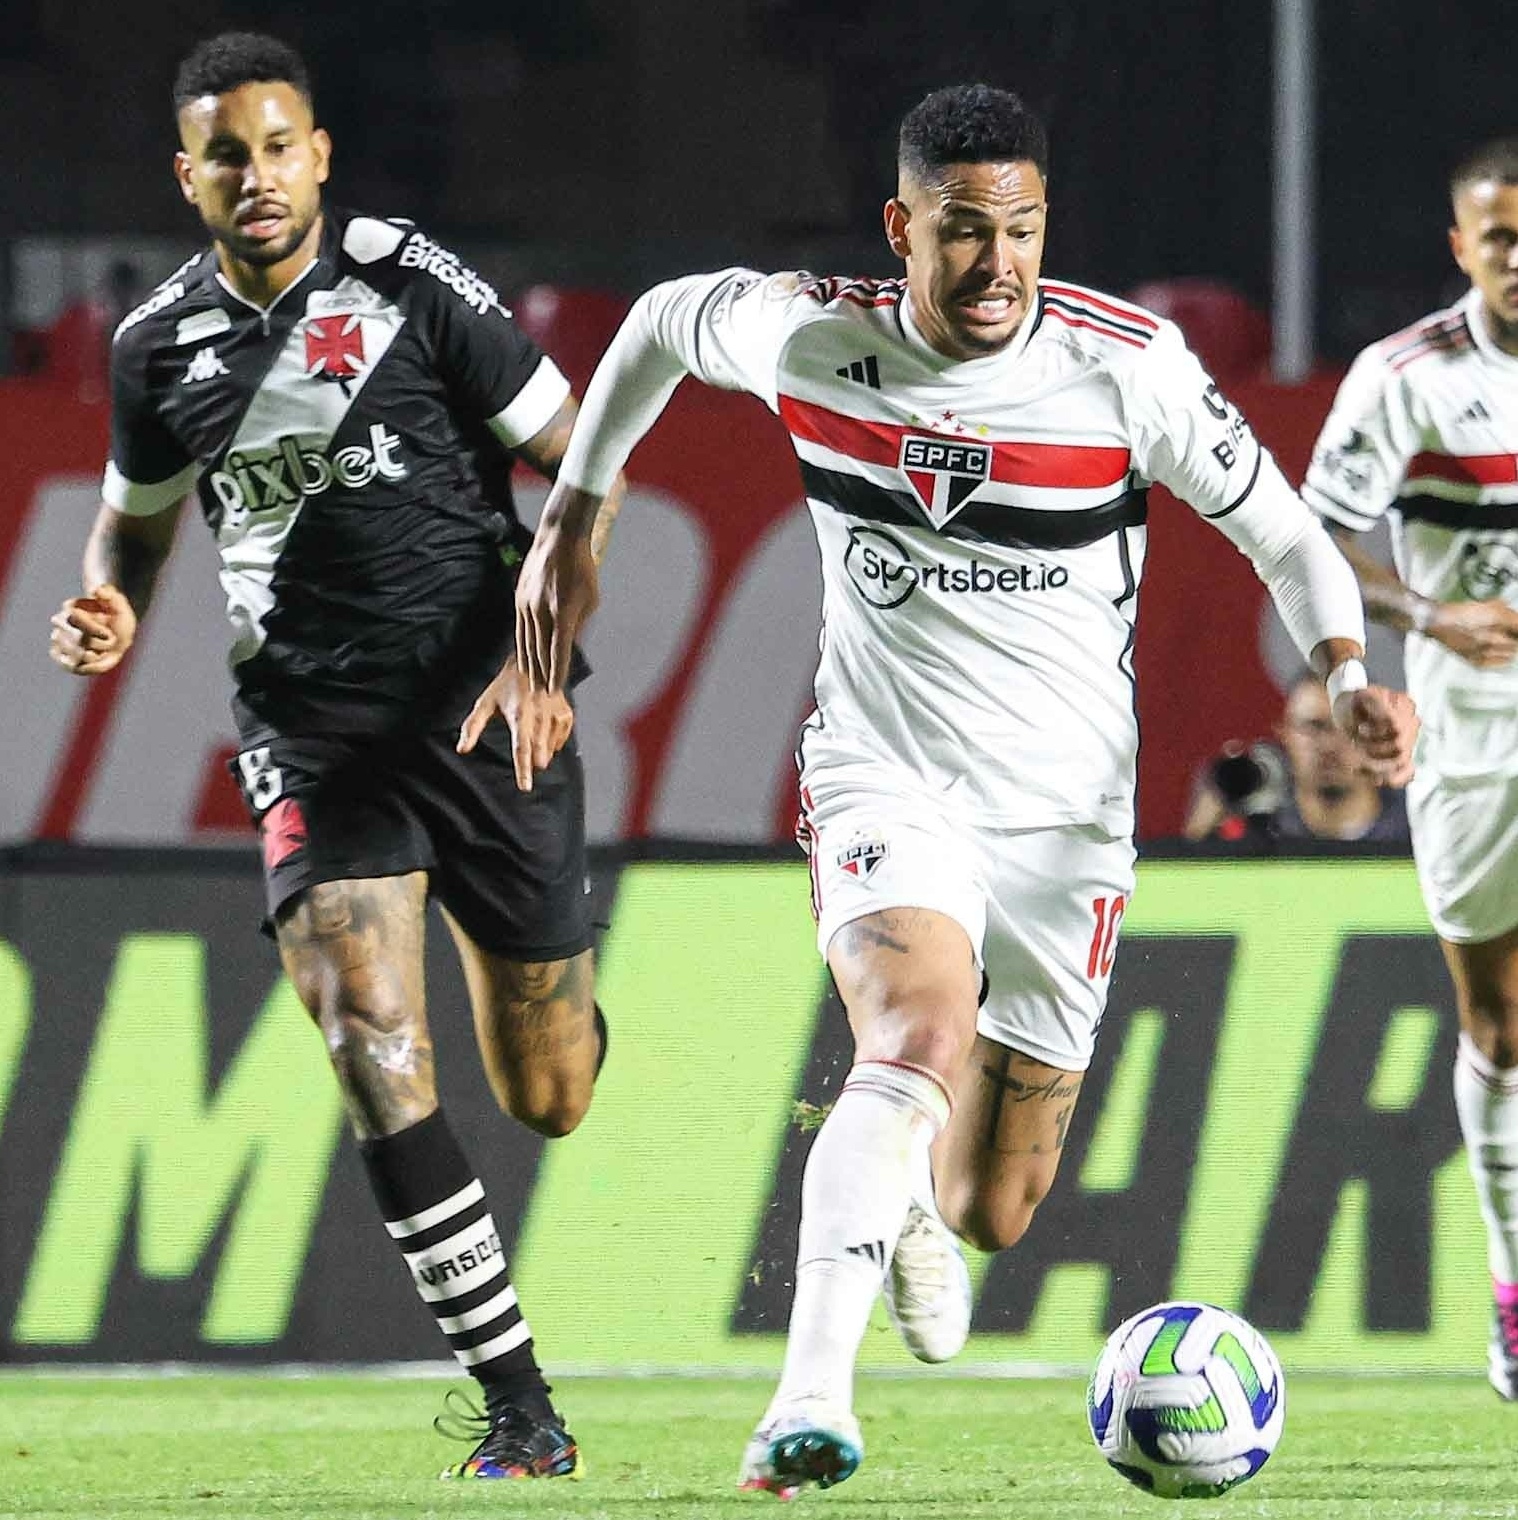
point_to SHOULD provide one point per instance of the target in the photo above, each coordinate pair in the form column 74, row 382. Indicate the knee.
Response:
column 994, row 1220
column 1493, row 1021
column 918, row 1036
column 368, row 1027
column 552, row 1110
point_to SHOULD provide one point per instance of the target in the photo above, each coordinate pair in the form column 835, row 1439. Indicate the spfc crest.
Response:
column 944, row 473
column 860, row 856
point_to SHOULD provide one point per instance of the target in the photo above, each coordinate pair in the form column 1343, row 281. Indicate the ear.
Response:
column 183, row 174
column 897, row 217
column 321, row 141
column 1457, row 249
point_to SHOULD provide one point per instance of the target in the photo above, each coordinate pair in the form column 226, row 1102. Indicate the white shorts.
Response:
column 1465, row 845
column 1041, row 907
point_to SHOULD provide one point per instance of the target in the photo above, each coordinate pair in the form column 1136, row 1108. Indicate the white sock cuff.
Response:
column 1500, row 1082
column 913, row 1086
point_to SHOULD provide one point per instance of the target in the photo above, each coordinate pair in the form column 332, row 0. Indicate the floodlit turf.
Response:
column 363, row 1449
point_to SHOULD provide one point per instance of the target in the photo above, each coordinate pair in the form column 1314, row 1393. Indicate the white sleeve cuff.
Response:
column 533, row 407
column 136, row 499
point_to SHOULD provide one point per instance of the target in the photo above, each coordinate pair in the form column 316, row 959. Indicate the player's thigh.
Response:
column 998, row 1158
column 1053, row 921
column 535, row 1022
column 353, row 949
column 900, row 915
column 510, row 866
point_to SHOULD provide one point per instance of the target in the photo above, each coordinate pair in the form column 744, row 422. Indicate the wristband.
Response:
column 1345, row 677
column 1421, row 616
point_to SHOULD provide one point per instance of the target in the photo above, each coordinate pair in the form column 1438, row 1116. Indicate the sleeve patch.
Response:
column 366, row 239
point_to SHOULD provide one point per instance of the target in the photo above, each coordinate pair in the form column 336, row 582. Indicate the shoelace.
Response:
column 928, row 1277
column 462, row 1418
column 1507, row 1329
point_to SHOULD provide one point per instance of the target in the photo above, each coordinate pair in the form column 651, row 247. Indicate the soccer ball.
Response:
column 1187, row 1400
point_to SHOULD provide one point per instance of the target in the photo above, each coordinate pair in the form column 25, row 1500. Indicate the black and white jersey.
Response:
column 981, row 523
column 349, row 447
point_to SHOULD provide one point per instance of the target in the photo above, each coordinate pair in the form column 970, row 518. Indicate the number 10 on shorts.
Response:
column 1108, row 912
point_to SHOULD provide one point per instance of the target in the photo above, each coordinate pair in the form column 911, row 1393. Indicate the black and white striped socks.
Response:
column 434, row 1208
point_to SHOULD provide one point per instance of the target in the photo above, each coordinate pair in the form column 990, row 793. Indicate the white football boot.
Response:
column 927, row 1288
column 806, row 1441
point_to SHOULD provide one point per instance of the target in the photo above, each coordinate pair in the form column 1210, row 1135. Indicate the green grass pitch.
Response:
column 360, row 1448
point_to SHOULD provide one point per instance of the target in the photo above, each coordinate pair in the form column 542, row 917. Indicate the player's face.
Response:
column 253, row 164
column 1322, row 758
column 1484, row 241
column 973, row 240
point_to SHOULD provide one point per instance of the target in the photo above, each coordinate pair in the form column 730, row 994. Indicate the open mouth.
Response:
column 987, row 310
column 261, row 222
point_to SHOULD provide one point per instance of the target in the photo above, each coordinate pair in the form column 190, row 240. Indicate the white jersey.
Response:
column 982, row 523
column 1425, row 427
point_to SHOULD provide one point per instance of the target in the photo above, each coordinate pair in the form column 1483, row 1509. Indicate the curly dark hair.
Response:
column 970, row 124
column 231, row 59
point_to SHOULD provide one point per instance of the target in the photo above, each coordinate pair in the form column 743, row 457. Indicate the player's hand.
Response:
column 540, row 722
column 1384, row 725
column 91, row 634
column 557, row 590
column 1484, row 633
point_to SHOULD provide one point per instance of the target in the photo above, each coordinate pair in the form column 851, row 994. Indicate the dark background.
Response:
column 615, row 142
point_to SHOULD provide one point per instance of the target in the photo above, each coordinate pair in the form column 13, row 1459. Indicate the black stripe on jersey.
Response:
column 1243, row 496
column 1457, row 514
column 1098, row 315
column 1130, row 580
column 987, row 522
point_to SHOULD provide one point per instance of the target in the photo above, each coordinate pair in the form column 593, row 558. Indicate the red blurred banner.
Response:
column 703, row 658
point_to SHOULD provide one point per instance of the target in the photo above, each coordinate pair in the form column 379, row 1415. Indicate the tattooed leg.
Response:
column 353, row 950
column 909, row 981
column 997, row 1160
column 535, row 1024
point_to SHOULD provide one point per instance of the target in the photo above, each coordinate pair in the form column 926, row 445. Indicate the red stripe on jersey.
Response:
column 1465, row 469
column 1013, row 463
column 1131, row 314
column 1099, row 326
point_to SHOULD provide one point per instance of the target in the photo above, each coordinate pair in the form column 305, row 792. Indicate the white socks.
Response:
column 859, row 1183
column 1486, row 1099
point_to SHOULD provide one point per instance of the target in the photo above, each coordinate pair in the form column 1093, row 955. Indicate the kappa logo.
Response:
column 944, row 474
column 206, row 365
column 860, row 857
column 334, row 348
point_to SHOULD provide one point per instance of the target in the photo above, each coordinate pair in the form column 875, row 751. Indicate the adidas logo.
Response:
column 1475, row 412
column 873, row 1251
column 864, row 371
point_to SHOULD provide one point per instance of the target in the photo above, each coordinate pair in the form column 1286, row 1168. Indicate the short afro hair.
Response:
column 1496, row 160
column 970, row 124
column 232, row 59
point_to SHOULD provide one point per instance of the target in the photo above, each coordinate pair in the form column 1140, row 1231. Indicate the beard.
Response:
column 261, row 254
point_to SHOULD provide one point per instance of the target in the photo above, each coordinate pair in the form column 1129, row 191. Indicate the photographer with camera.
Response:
column 1310, row 785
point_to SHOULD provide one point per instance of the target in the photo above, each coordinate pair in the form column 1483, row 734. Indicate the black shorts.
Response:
column 508, row 865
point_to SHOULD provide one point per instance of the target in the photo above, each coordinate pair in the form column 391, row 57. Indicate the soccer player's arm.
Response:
column 147, row 480
column 726, row 330
column 1358, row 464
column 1192, row 439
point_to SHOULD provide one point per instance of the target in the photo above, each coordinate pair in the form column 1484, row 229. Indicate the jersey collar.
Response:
column 323, row 248
column 1481, row 335
column 1007, row 355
